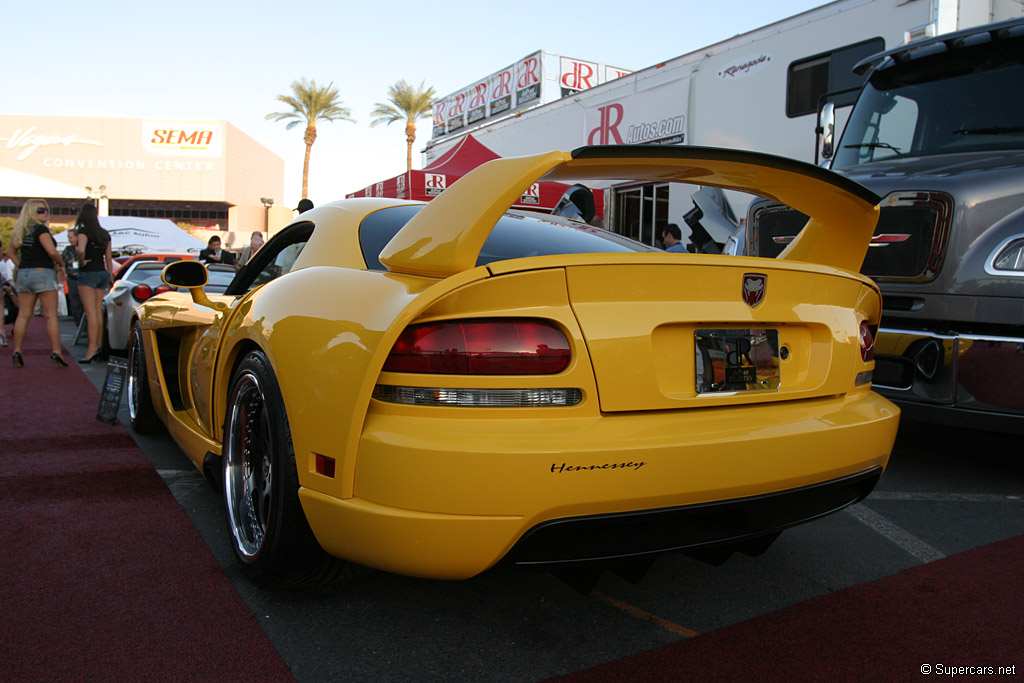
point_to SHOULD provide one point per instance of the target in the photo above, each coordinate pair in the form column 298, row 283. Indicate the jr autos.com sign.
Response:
column 656, row 116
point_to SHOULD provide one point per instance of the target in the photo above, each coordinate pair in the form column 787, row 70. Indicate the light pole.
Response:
column 267, row 203
column 100, row 197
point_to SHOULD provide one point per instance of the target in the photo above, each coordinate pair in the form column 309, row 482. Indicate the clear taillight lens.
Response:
column 500, row 346
column 478, row 398
column 1010, row 258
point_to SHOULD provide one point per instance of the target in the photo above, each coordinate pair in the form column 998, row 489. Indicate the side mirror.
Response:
column 186, row 274
column 827, row 126
column 577, row 203
column 193, row 276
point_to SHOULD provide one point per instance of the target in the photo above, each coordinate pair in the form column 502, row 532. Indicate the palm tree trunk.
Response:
column 305, row 172
column 410, row 138
column 310, row 138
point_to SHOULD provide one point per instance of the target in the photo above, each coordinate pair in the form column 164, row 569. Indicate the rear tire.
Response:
column 140, row 403
column 269, row 532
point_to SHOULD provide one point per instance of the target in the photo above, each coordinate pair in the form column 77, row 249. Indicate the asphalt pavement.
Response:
column 946, row 491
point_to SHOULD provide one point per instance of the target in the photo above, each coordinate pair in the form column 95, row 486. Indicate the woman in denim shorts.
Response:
column 95, row 266
column 40, row 273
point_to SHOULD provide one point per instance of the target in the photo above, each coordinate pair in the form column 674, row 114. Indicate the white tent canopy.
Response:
column 155, row 235
column 20, row 184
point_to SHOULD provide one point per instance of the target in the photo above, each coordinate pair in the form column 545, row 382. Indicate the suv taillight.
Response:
column 867, row 342
column 498, row 346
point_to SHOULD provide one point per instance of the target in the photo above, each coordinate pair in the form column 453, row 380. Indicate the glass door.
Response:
column 640, row 210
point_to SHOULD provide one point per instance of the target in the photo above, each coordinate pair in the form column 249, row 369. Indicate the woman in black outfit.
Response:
column 95, row 268
column 40, row 272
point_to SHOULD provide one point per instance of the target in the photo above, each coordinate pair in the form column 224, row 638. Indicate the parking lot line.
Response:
column 904, row 539
column 646, row 616
column 946, row 497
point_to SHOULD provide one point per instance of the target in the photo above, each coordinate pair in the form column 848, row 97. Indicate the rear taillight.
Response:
column 144, row 292
column 500, row 346
column 867, row 342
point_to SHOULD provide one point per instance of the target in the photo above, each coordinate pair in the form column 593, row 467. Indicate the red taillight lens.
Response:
column 143, row 292
column 481, row 347
column 867, row 342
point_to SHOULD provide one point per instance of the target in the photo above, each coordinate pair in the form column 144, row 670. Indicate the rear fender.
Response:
column 327, row 352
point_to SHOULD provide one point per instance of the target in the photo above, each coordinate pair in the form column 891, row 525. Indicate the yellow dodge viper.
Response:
column 436, row 389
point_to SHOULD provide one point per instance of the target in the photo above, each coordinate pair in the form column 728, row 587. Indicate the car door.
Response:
column 203, row 344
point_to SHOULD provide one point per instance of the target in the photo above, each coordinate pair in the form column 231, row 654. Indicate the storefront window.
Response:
column 639, row 209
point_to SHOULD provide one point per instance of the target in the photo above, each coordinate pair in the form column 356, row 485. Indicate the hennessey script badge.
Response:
column 753, row 288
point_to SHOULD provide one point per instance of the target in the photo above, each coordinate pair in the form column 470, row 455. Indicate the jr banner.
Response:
column 654, row 116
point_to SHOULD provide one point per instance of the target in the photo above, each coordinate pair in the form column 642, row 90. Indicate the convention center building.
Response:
column 203, row 175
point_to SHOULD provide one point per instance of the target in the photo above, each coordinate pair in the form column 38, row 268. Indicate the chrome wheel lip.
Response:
column 135, row 361
column 248, row 467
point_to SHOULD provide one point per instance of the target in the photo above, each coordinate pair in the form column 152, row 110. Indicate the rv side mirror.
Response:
column 827, row 126
column 577, row 203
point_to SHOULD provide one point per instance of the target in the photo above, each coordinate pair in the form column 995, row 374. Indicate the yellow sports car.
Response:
column 436, row 389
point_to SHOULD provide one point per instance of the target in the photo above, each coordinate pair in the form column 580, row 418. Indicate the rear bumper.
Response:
column 451, row 498
column 967, row 380
column 632, row 534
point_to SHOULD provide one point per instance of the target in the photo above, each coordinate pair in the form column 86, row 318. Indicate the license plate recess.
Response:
column 741, row 359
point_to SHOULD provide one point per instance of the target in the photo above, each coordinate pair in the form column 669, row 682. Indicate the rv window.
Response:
column 829, row 72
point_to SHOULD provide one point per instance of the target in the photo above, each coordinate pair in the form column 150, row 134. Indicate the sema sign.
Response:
column 183, row 138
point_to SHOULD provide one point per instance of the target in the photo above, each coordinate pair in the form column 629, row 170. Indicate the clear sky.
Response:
column 214, row 60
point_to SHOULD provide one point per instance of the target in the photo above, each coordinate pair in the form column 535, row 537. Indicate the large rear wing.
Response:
column 445, row 238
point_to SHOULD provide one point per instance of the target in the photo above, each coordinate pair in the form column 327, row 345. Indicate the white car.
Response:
column 139, row 283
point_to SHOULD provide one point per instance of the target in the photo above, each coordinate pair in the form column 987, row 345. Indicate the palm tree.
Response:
column 407, row 104
column 311, row 103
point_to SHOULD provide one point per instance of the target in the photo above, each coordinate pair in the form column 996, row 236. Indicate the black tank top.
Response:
column 94, row 254
column 33, row 255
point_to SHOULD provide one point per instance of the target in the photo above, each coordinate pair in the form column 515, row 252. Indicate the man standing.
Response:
column 671, row 237
column 255, row 242
column 70, row 256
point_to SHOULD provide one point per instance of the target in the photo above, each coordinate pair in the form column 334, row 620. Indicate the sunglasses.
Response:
column 42, row 209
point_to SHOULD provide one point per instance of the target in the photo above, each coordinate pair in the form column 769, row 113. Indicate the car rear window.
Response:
column 514, row 236
column 146, row 276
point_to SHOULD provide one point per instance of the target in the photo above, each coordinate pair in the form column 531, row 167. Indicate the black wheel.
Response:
column 140, row 404
column 269, row 532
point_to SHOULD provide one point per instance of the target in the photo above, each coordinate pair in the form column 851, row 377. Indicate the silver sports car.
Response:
column 141, row 282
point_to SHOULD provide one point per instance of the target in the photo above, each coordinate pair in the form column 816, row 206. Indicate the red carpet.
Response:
column 102, row 575
column 963, row 611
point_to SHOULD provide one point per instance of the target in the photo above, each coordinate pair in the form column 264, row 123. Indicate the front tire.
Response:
column 269, row 532
column 140, row 403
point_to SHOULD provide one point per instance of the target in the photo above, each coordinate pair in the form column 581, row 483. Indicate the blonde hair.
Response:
column 27, row 216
